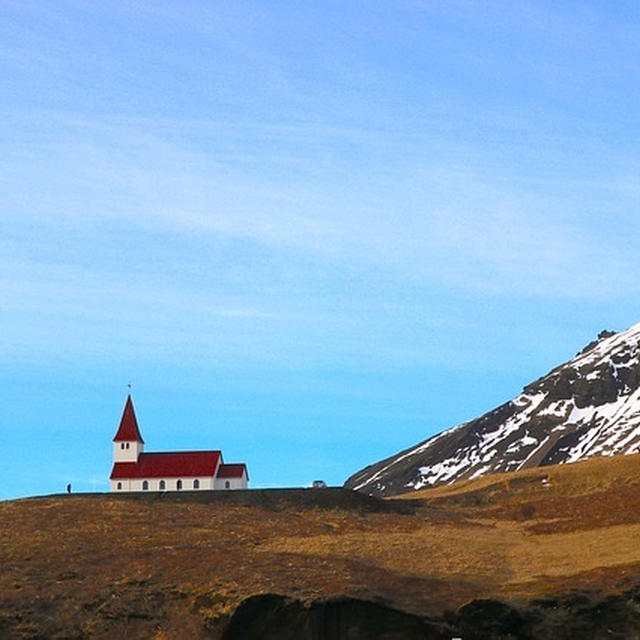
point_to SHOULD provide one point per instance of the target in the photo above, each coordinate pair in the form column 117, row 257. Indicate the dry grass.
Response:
column 102, row 565
column 430, row 550
column 568, row 480
column 497, row 556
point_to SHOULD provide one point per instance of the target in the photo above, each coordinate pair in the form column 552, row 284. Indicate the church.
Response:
column 135, row 470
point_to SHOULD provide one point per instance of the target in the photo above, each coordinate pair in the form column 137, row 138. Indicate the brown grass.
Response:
column 102, row 565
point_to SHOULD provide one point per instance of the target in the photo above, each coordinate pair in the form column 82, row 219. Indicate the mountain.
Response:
column 589, row 406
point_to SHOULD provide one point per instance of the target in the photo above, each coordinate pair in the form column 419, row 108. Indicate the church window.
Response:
column 145, row 485
column 162, row 485
column 127, row 445
column 119, row 486
column 196, row 484
column 179, row 485
column 122, row 445
column 227, row 484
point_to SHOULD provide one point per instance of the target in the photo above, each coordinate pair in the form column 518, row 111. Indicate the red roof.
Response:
column 232, row 471
column 128, row 429
column 182, row 464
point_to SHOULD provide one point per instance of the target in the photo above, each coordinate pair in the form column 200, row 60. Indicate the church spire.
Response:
column 128, row 429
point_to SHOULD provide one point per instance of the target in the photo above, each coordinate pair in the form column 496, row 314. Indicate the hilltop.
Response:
column 517, row 555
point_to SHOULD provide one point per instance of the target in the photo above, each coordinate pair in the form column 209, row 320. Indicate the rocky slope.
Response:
column 589, row 406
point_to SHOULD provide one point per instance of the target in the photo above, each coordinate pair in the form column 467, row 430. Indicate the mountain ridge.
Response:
column 587, row 406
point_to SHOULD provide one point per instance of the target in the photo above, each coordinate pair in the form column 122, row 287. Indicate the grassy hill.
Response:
column 177, row 566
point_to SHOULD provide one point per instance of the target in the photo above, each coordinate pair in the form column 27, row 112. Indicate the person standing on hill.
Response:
column 69, row 488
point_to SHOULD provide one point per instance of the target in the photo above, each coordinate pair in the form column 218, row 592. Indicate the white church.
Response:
column 135, row 470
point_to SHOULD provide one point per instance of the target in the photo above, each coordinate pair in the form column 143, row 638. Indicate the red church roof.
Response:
column 128, row 429
column 182, row 464
column 232, row 471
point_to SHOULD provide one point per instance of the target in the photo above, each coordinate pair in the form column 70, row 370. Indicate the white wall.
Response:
column 234, row 483
column 131, row 454
column 206, row 483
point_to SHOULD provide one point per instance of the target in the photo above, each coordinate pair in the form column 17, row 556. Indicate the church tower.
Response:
column 127, row 443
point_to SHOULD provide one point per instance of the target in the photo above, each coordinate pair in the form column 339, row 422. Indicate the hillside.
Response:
column 517, row 555
column 587, row 407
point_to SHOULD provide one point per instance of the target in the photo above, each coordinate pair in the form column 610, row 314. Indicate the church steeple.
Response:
column 127, row 443
column 128, row 429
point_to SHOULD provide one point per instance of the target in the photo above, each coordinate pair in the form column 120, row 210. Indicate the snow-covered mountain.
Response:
column 589, row 406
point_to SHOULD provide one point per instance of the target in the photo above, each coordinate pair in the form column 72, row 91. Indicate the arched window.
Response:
column 122, row 445
column 119, row 486
column 179, row 485
column 145, row 485
column 162, row 485
column 196, row 484
column 127, row 445
column 227, row 484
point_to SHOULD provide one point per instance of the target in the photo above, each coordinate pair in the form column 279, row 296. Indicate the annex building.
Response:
column 135, row 470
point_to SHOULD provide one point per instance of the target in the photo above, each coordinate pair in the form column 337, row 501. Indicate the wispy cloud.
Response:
column 465, row 224
column 364, row 179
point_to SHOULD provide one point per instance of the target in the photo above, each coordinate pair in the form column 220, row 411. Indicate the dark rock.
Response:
column 566, row 617
column 274, row 617
column 488, row 619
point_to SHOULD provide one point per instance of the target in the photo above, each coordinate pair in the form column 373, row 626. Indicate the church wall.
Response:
column 206, row 484
column 127, row 451
column 234, row 483
column 126, row 485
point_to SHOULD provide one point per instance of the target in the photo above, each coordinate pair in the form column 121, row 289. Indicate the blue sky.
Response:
column 310, row 234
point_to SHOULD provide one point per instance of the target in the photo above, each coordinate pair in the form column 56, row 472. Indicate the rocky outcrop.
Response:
column 579, row 614
column 274, row 617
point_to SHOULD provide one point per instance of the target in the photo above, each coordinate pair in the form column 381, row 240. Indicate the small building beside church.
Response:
column 135, row 470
